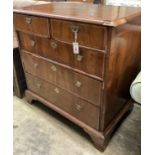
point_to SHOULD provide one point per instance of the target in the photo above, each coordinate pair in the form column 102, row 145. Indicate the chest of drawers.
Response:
column 90, row 88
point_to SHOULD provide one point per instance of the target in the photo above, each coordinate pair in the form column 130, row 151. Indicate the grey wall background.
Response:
column 123, row 2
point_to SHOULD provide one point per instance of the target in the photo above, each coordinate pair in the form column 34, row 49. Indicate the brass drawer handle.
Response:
column 33, row 43
column 28, row 20
column 78, row 84
column 38, row 85
column 53, row 44
column 54, row 68
column 35, row 65
column 79, row 57
column 75, row 28
column 57, row 90
column 78, row 107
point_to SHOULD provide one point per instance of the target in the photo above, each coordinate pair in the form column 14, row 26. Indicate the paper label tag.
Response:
column 75, row 48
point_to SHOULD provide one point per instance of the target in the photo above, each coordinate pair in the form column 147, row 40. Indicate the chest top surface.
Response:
column 88, row 13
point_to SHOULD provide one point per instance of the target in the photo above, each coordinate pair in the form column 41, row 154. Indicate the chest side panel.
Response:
column 122, row 66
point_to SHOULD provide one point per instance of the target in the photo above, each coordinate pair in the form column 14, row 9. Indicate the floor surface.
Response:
column 40, row 131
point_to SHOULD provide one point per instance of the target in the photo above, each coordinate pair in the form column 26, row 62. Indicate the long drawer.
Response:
column 31, row 24
column 86, row 87
column 64, row 100
column 89, row 61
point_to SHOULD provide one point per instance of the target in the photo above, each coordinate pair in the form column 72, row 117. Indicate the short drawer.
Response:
column 89, row 61
column 31, row 24
column 76, row 107
column 88, row 35
column 86, row 87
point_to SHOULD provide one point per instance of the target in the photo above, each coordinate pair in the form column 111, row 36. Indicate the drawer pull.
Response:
column 53, row 45
column 35, row 65
column 79, row 57
column 28, row 20
column 54, row 68
column 56, row 90
column 33, row 43
column 78, row 107
column 78, row 84
column 38, row 85
column 75, row 28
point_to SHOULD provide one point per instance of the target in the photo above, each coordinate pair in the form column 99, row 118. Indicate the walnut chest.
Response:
column 80, row 59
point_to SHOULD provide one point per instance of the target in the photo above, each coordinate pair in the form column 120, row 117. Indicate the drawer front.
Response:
column 78, row 108
column 27, row 42
column 89, row 61
column 85, row 87
column 88, row 35
column 35, row 25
